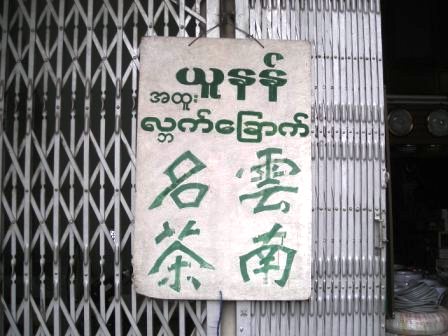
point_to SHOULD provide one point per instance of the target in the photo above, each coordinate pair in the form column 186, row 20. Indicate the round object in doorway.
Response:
column 398, row 267
column 405, row 278
column 438, row 123
column 407, row 323
column 401, row 122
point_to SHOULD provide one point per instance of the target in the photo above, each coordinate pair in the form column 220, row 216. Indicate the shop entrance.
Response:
column 416, row 81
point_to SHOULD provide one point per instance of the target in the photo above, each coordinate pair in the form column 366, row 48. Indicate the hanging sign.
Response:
column 223, row 170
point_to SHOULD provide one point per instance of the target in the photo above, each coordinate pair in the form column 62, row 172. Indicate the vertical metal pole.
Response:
column 255, row 18
column 86, row 171
column 166, row 18
column 56, row 174
column 338, row 318
column 166, row 315
column 365, row 296
column 102, row 205
column 197, row 9
column 383, row 173
column 320, row 182
column 228, row 324
column 307, row 309
column 213, row 17
column 133, row 137
column 117, row 169
column 182, row 31
column 372, row 319
column 350, row 175
column 275, row 20
column 149, row 303
column 358, row 95
column 328, row 41
column 3, row 50
column 43, row 99
column 15, row 153
column 150, row 22
column 388, row 243
column 363, row 224
column 376, row 180
column 72, row 175
column 27, row 234
column 181, row 309
column 382, row 130
column 213, row 310
column 228, row 30
column 43, row 177
column 343, row 148
column 242, row 18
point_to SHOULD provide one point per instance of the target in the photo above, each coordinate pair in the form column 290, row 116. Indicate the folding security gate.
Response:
column 68, row 97
column 349, row 201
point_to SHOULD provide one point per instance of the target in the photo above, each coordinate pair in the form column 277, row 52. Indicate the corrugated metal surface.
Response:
column 68, row 90
column 349, row 261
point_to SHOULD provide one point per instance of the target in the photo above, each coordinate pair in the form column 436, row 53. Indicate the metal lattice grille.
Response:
column 68, row 96
column 349, row 175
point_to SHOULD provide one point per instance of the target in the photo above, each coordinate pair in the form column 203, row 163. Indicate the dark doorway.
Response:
column 416, row 83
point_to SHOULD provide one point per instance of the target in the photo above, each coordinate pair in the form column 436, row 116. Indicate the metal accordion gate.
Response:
column 349, row 168
column 68, row 97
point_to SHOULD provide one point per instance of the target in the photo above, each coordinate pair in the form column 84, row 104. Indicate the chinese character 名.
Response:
column 267, row 174
column 179, row 251
column 266, row 254
column 178, row 186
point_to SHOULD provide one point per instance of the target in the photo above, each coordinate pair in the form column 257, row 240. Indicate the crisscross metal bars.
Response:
column 68, row 96
column 349, row 171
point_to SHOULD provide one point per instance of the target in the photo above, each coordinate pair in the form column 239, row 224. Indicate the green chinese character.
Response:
column 179, row 263
column 266, row 254
column 177, row 183
column 267, row 175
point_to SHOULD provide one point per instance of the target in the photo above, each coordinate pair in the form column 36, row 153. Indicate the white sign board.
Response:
column 223, row 170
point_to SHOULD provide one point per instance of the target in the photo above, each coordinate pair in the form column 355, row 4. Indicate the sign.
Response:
column 223, row 170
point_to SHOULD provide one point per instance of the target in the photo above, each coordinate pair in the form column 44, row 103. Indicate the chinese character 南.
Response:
column 267, row 254
column 178, row 186
column 182, row 255
column 267, row 176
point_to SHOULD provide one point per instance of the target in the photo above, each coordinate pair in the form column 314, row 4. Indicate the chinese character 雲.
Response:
column 267, row 177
